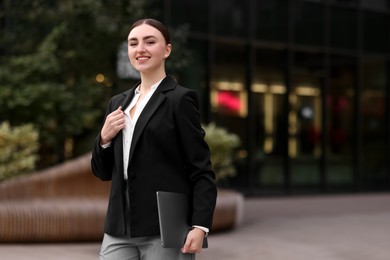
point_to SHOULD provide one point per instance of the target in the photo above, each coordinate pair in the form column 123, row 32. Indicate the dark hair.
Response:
column 156, row 24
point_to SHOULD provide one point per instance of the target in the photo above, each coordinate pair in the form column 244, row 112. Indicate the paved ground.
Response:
column 349, row 227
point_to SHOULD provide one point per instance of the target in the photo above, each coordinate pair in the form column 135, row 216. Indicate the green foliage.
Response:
column 36, row 88
column 222, row 145
column 18, row 149
column 51, row 52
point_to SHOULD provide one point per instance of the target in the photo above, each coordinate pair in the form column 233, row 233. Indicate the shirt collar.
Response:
column 153, row 88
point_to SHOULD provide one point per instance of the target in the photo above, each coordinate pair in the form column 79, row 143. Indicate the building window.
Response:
column 343, row 28
column 373, row 110
column 340, row 127
column 309, row 23
column 187, row 12
column 269, row 119
column 376, row 32
column 228, row 95
column 272, row 20
column 305, row 120
column 232, row 18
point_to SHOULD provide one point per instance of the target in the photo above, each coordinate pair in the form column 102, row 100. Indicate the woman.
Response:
column 151, row 141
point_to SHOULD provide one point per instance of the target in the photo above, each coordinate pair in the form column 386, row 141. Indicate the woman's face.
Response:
column 147, row 49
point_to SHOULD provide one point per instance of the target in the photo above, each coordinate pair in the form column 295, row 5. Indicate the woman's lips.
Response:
column 142, row 58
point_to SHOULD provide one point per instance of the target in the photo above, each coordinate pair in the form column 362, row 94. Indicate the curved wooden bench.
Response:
column 54, row 220
column 72, row 179
column 62, row 203
column 67, row 203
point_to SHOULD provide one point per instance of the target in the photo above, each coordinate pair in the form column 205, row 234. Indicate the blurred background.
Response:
column 304, row 84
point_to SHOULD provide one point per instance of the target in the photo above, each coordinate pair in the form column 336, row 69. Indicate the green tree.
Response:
column 18, row 150
column 51, row 54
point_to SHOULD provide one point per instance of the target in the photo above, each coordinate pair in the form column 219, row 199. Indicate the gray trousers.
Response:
column 139, row 248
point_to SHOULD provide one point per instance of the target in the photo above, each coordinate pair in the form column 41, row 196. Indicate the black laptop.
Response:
column 174, row 217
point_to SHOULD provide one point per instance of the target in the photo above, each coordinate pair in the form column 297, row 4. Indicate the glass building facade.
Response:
column 304, row 83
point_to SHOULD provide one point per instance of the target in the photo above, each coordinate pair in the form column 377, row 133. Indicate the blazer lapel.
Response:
column 129, row 94
column 151, row 107
column 124, row 102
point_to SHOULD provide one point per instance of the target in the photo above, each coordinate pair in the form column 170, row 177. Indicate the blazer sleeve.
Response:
column 197, row 154
column 102, row 161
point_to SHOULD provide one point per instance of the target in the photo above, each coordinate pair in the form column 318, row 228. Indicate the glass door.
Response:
column 374, row 163
column 340, row 103
column 305, row 121
column 269, row 120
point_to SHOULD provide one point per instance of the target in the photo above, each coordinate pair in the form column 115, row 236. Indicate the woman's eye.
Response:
column 150, row 43
column 132, row 44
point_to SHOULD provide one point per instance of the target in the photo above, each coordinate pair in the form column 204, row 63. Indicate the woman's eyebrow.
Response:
column 144, row 38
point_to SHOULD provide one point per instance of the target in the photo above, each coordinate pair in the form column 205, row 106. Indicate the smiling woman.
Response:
column 152, row 140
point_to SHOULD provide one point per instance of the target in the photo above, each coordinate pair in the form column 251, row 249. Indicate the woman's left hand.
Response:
column 194, row 241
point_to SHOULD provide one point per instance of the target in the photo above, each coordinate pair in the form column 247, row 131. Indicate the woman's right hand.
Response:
column 115, row 122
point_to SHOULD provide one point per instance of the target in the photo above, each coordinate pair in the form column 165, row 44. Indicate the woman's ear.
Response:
column 168, row 50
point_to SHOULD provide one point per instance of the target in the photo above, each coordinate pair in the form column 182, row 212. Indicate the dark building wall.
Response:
column 305, row 84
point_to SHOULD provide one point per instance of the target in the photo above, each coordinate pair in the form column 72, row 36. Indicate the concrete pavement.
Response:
column 342, row 227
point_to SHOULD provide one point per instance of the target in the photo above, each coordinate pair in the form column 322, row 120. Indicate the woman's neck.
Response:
column 147, row 80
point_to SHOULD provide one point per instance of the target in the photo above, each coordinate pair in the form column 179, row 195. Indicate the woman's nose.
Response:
column 140, row 47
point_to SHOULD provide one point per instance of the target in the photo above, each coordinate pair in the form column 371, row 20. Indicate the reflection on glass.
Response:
column 229, row 98
column 270, row 94
column 305, row 122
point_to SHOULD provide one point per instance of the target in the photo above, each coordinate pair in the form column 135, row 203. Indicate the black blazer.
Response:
column 168, row 153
